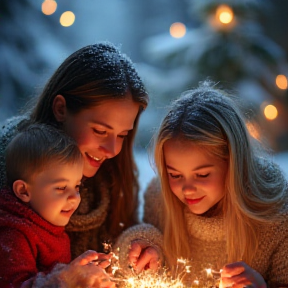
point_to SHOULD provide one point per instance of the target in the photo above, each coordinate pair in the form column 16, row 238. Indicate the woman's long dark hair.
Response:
column 89, row 76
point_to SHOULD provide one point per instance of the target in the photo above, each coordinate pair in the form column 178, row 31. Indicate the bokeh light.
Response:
column 49, row 7
column 225, row 14
column 67, row 19
column 270, row 112
column 177, row 30
column 281, row 82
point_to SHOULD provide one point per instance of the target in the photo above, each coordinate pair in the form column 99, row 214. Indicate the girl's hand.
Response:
column 239, row 274
column 143, row 256
column 87, row 271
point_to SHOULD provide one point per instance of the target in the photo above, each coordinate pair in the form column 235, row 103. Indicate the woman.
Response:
column 95, row 96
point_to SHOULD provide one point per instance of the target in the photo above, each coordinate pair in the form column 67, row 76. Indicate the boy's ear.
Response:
column 59, row 108
column 20, row 189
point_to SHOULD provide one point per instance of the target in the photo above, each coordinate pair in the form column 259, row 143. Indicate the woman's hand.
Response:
column 87, row 271
column 239, row 274
column 143, row 256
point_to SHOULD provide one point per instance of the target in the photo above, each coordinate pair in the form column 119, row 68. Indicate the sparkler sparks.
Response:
column 163, row 278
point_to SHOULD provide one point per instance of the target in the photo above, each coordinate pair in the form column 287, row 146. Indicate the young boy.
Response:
column 44, row 172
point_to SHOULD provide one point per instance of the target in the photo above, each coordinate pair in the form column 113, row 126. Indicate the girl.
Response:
column 95, row 96
column 224, row 201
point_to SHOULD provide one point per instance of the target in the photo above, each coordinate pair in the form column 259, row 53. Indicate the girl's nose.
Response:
column 188, row 188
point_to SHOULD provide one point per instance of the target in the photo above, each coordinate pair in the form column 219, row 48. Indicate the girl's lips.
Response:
column 92, row 161
column 193, row 201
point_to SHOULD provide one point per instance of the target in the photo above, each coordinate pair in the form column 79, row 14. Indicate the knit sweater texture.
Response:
column 28, row 243
column 206, row 238
column 85, row 228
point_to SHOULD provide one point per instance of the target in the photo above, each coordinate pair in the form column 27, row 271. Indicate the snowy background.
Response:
column 245, row 55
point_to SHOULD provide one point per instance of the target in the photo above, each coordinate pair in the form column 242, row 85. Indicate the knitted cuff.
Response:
column 147, row 234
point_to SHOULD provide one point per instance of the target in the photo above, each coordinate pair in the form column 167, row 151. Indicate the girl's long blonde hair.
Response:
column 255, row 187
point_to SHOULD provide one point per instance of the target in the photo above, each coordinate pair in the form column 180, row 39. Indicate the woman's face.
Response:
column 195, row 176
column 100, row 131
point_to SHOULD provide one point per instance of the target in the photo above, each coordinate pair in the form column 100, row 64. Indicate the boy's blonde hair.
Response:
column 38, row 146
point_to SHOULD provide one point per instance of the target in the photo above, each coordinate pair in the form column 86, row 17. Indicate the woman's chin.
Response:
column 88, row 173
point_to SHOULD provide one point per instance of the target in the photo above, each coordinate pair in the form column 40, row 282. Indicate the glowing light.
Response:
column 177, row 30
column 281, row 82
column 196, row 282
column 270, row 112
column 49, row 7
column 209, row 271
column 67, row 19
column 225, row 14
column 162, row 279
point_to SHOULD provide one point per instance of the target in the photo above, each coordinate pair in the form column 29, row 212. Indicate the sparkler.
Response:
column 163, row 278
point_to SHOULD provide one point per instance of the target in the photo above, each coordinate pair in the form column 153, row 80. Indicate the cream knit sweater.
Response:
column 207, row 241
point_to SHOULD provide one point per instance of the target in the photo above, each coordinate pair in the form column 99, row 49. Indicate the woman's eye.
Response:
column 122, row 136
column 61, row 188
column 99, row 132
column 203, row 175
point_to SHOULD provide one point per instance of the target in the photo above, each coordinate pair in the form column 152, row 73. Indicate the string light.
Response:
column 49, row 7
column 67, row 19
column 270, row 112
column 281, row 82
column 177, row 30
column 224, row 14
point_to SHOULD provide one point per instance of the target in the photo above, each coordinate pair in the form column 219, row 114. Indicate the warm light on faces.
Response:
column 196, row 177
column 101, row 130
column 54, row 192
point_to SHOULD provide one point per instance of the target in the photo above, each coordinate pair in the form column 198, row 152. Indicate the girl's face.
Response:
column 196, row 177
column 100, row 131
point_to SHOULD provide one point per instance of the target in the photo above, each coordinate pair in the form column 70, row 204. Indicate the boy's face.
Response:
column 55, row 192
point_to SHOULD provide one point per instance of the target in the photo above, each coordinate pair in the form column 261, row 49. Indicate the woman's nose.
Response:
column 109, row 148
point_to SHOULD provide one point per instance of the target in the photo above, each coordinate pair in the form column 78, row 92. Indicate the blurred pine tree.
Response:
column 228, row 46
column 24, row 35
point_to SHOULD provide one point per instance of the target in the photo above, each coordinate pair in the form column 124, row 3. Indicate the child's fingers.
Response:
column 106, row 283
column 232, row 269
column 103, row 260
column 104, row 263
column 134, row 253
column 236, row 281
column 154, row 264
column 240, row 274
column 86, row 258
column 98, row 277
column 148, row 259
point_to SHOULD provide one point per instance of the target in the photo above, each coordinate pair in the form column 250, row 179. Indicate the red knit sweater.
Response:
column 28, row 243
